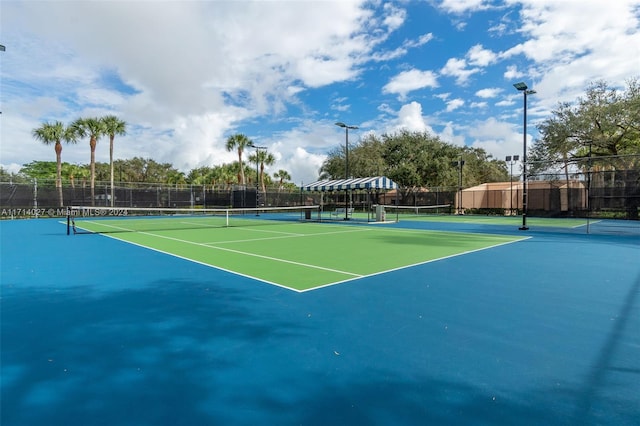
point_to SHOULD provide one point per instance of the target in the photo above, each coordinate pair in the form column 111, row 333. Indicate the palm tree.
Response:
column 282, row 175
column 176, row 177
column 94, row 128
column 239, row 142
column 113, row 126
column 54, row 133
column 262, row 157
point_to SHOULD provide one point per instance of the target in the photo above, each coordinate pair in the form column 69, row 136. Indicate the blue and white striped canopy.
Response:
column 378, row 182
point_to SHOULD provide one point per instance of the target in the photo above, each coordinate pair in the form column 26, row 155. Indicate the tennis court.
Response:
column 298, row 256
column 439, row 323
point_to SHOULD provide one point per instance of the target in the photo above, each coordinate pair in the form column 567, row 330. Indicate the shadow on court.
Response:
column 97, row 332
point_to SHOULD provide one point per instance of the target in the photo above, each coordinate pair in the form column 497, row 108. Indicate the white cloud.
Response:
column 195, row 72
column 458, row 68
column 496, row 137
column 512, row 73
column 410, row 118
column 408, row 81
column 461, row 6
column 479, row 56
column 395, row 16
column 574, row 43
column 454, row 104
column 488, row 93
column 448, row 135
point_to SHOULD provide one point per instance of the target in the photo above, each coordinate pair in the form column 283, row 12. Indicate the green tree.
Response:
column 94, row 129
column 113, row 127
column 176, row 178
column 55, row 133
column 599, row 130
column 282, row 176
column 414, row 160
column 41, row 170
column 6, row 176
column 239, row 142
column 262, row 157
column 73, row 171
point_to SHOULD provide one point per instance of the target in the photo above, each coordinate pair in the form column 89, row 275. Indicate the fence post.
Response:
column 35, row 196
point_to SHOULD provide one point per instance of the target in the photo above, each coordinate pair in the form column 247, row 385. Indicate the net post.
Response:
column 227, row 218
column 68, row 222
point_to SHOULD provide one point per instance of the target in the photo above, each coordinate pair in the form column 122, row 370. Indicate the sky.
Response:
column 186, row 75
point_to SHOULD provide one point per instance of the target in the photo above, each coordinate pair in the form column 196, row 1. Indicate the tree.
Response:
column 176, row 177
column 94, row 128
column 282, row 176
column 113, row 126
column 43, row 170
column 73, row 171
column 55, row 133
column 414, row 160
column 239, row 142
column 262, row 157
column 601, row 130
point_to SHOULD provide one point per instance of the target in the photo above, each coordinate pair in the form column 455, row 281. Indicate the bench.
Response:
column 340, row 212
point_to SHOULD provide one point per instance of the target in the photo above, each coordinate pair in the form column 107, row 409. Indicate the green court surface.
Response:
column 300, row 256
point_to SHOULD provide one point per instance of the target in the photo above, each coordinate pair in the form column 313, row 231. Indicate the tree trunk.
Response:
column 59, row 172
column 92, row 145
column 111, row 166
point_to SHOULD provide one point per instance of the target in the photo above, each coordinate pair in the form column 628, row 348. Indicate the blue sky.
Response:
column 185, row 75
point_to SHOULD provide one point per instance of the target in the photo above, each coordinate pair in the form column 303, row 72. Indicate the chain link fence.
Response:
column 612, row 193
column 42, row 198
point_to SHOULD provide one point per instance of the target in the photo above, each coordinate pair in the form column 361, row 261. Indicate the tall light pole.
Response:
column 2, row 49
column 522, row 87
column 459, row 164
column 511, row 160
column 257, row 148
column 346, row 167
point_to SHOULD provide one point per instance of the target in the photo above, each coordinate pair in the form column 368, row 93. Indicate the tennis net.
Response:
column 409, row 212
column 83, row 220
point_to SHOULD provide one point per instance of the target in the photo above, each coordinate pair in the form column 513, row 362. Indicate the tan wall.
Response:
column 497, row 195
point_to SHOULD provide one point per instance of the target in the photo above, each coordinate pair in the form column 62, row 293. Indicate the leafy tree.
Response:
column 223, row 175
column 41, row 170
column 55, row 133
column 94, row 129
column 603, row 124
column 113, row 126
column 201, row 176
column 176, row 177
column 239, row 142
column 600, row 130
column 11, row 177
column 415, row 160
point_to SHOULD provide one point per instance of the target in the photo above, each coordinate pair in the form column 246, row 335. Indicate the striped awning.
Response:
column 378, row 182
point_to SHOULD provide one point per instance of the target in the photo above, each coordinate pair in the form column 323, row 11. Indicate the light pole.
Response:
column 2, row 49
column 511, row 160
column 257, row 148
column 459, row 164
column 522, row 87
column 346, row 167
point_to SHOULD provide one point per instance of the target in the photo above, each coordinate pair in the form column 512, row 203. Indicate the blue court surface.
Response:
column 96, row 331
